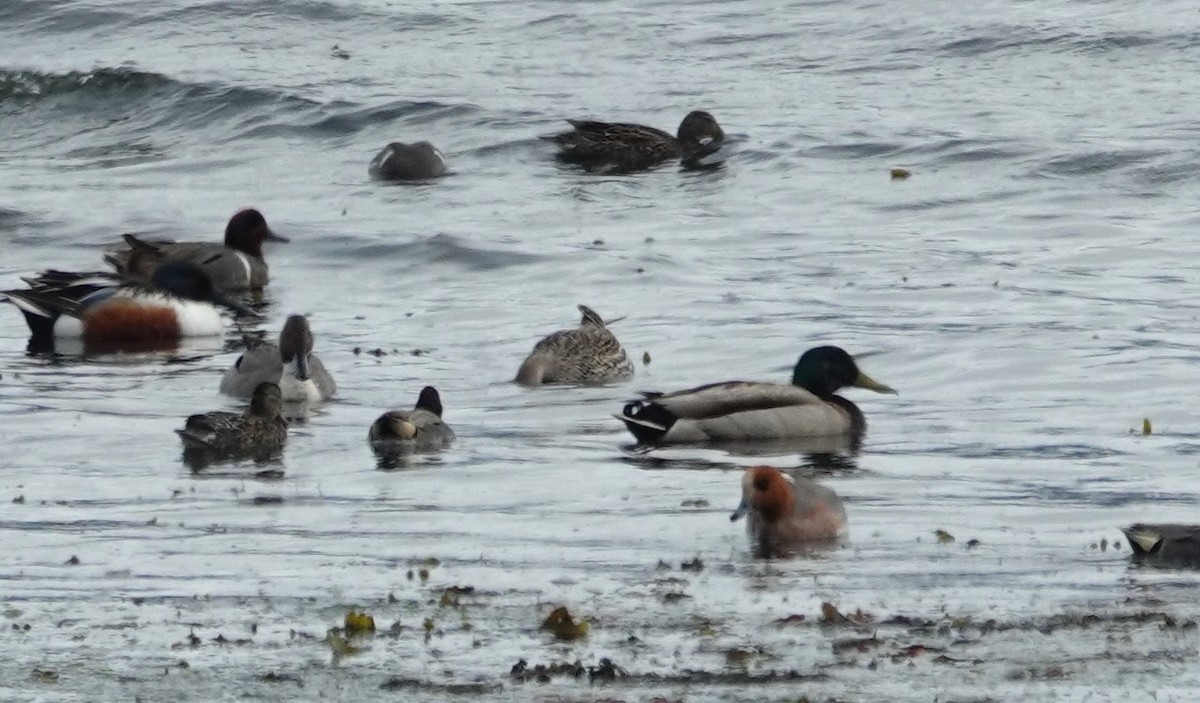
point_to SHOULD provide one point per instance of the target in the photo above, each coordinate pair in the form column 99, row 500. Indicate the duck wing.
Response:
column 260, row 363
column 729, row 397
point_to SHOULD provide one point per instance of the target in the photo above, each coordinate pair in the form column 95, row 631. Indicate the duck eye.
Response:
column 761, row 483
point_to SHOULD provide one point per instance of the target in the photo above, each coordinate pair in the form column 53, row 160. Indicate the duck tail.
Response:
column 38, row 316
column 648, row 422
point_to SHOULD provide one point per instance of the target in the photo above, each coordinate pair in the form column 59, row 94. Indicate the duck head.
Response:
column 430, row 401
column 295, row 344
column 699, row 135
column 247, row 230
column 824, row 370
column 267, row 400
column 766, row 491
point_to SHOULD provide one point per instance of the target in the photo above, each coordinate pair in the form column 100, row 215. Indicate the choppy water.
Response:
column 1030, row 291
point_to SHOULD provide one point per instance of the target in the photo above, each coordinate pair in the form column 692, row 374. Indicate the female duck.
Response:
column 292, row 364
column 420, row 429
column 783, row 511
column 259, row 432
column 588, row 354
column 617, row 147
column 740, row 410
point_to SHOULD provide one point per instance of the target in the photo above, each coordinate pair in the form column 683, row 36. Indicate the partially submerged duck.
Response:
column 419, row 429
column 260, row 432
column 1168, row 545
column 235, row 265
column 741, row 410
column 784, row 511
column 588, row 354
column 291, row 363
column 619, row 147
column 407, row 162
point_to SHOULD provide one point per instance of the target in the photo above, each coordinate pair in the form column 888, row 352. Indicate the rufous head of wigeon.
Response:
column 768, row 492
column 247, row 230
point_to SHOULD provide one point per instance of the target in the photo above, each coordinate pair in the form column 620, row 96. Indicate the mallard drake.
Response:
column 783, row 511
column 235, row 265
column 588, row 354
column 421, row 428
column 1165, row 544
column 259, row 432
column 618, row 147
column 292, row 364
column 739, row 410
column 407, row 162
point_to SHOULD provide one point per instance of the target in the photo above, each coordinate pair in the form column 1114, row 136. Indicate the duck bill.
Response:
column 301, row 363
column 865, row 381
column 740, row 512
column 272, row 237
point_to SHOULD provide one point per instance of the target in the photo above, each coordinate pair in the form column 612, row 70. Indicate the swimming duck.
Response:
column 236, row 265
column 782, row 511
column 407, row 162
column 421, row 428
column 588, row 354
column 103, row 309
column 617, row 147
column 291, row 363
column 259, row 432
column 738, row 410
column 1165, row 544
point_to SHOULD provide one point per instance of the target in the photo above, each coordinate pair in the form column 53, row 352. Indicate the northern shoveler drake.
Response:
column 236, row 265
column 784, row 511
column 259, row 432
column 617, row 147
column 421, row 428
column 740, row 410
column 291, row 363
column 108, row 313
column 588, row 354
column 407, row 162
column 1166, row 545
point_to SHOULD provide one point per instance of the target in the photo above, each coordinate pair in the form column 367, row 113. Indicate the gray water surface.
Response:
column 1030, row 291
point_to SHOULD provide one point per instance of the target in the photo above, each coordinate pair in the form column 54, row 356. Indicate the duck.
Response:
column 106, row 310
column 236, row 265
column 259, row 432
column 421, row 428
column 619, row 147
column 407, row 162
column 784, row 511
column 751, row 410
column 589, row 354
column 291, row 363
column 1162, row 544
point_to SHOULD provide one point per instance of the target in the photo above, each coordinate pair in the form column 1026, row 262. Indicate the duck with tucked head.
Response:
column 783, row 511
column 107, row 312
column 236, row 265
column 589, row 354
column 618, row 147
column 260, row 432
column 291, row 363
column 407, row 162
column 741, row 410
column 419, row 429
column 1166, row 545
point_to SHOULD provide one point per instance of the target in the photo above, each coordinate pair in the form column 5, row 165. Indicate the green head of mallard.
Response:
column 824, row 370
